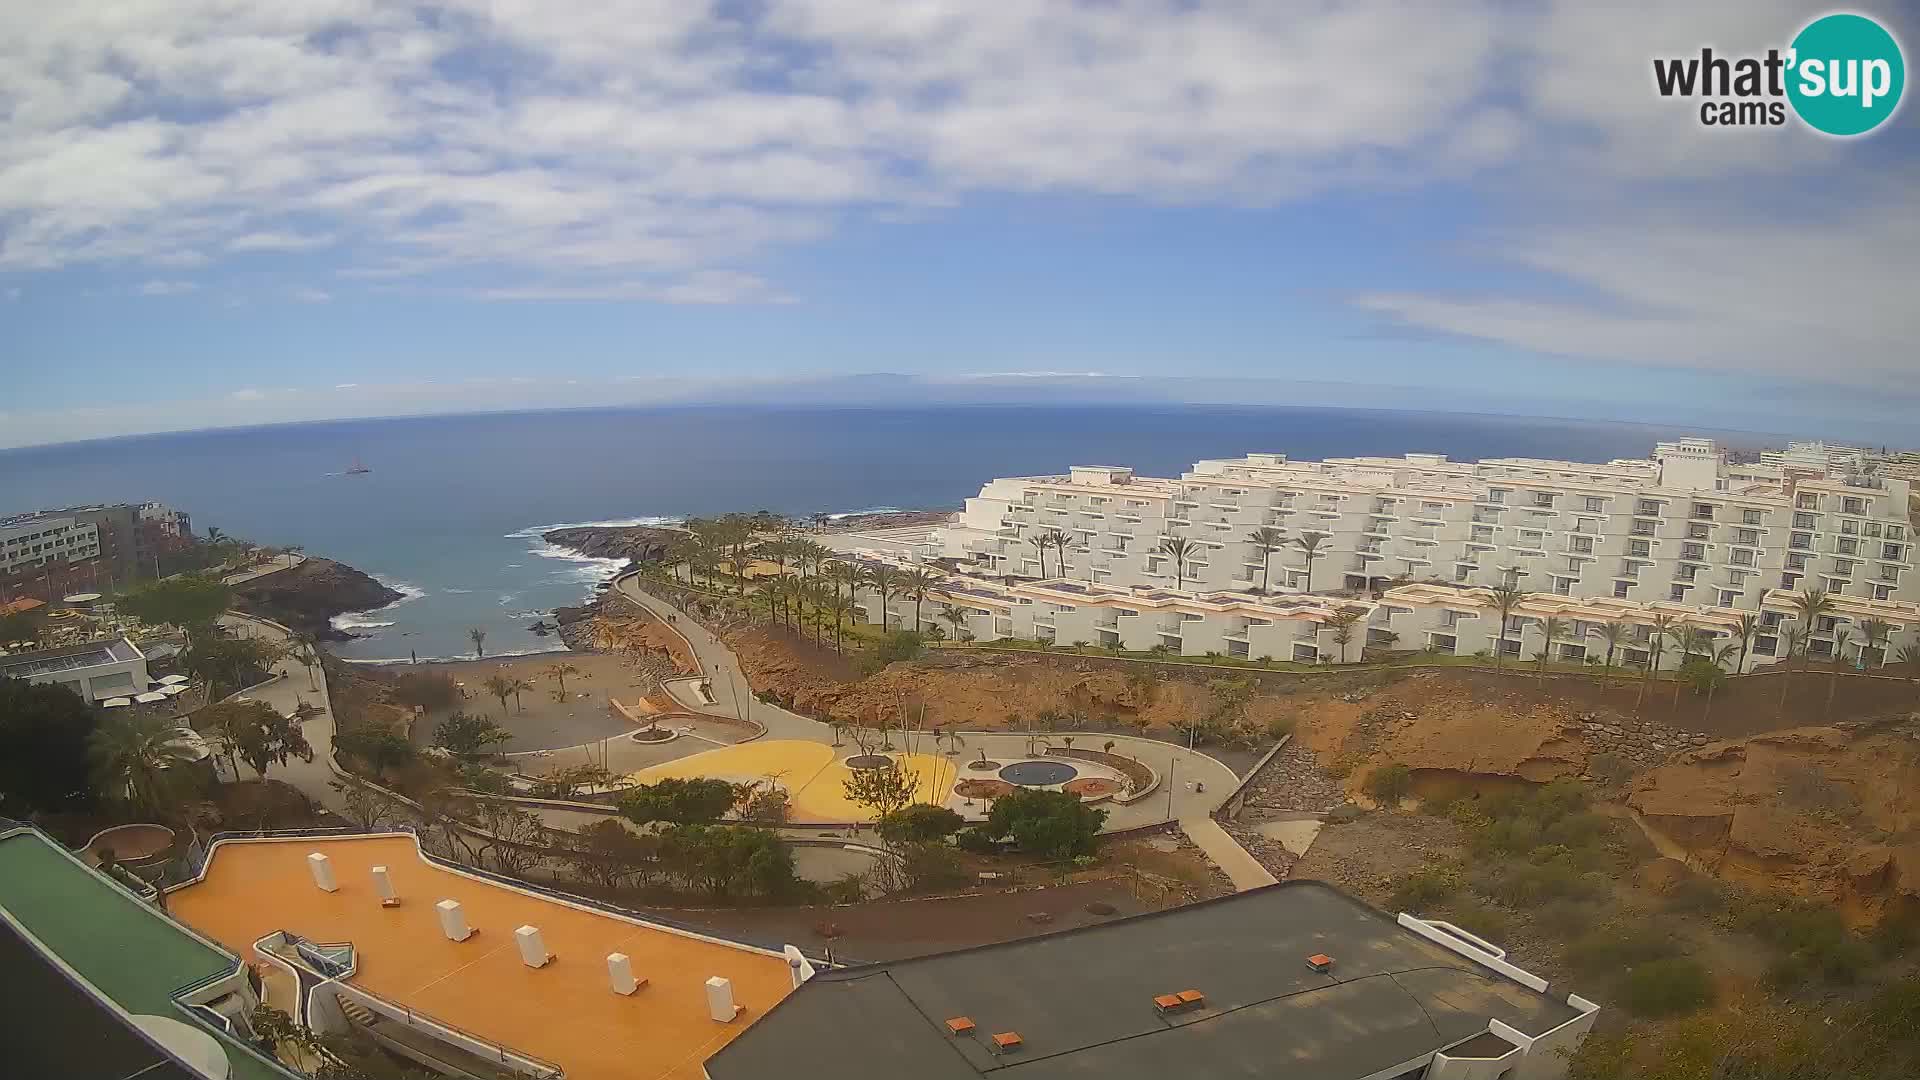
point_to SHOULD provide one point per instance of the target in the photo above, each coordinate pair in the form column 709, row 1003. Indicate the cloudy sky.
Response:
column 222, row 211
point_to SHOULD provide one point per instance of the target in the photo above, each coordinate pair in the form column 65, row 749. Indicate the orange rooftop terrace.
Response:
column 563, row 1012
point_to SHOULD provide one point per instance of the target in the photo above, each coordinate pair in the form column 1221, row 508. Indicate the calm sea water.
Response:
column 452, row 511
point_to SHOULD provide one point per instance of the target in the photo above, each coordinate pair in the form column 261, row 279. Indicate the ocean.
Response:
column 452, row 511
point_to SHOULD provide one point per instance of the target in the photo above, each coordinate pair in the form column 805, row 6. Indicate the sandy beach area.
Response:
column 539, row 721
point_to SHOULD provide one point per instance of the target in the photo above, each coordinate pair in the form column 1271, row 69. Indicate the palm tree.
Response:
column 1059, row 540
column 1342, row 622
column 478, row 635
column 1179, row 549
column 1910, row 656
column 1656, row 647
column 955, row 615
column 1506, row 598
column 1841, row 638
column 1748, row 627
column 916, row 585
column 1041, row 542
column 1794, row 639
column 559, row 672
column 306, row 649
column 883, row 579
column 519, row 686
column 842, row 609
column 1809, row 605
column 1682, row 635
column 1309, row 542
column 1615, row 634
column 1266, row 541
column 501, row 688
column 1552, row 626
column 772, row 595
column 142, row 758
column 1873, row 633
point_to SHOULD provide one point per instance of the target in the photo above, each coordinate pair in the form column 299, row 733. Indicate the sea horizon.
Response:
column 452, row 513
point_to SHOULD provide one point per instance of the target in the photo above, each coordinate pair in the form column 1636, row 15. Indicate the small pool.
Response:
column 1038, row 773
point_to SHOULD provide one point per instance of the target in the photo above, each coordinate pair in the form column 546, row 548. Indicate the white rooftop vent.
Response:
column 453, row 920
column 720, row 1004
column 533, row 948
column 322, row 872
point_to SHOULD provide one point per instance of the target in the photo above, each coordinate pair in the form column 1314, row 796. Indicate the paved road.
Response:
column 1193, row 784
column 1226, row 852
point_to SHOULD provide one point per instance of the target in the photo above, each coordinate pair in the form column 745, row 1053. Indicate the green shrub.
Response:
column 1696, row 895
column 1520, row 884
column 1479, row 918
column 1424, row 889
column 976, row 841
column 1566, row 919
column 1670, row 986
column 1049, row 823
column 1390, row 784
column 1607, row 949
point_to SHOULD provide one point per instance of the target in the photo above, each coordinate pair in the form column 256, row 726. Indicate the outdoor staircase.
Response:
column 358, row 1013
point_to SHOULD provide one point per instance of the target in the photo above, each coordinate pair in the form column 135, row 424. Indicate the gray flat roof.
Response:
column 1082, row 1001
column 67, row 658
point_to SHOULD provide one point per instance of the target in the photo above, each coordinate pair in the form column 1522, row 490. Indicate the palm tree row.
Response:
column 1055, row 539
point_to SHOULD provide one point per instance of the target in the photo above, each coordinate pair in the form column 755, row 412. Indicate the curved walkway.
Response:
column 291, row 687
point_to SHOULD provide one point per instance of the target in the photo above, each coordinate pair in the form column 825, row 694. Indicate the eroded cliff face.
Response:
column 307, row 596
column 1827, row 813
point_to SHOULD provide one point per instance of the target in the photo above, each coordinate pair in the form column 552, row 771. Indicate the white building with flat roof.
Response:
column 97, row 670
column 1414, row 543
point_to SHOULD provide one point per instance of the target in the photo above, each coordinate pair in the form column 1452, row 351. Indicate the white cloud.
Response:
column 311, row 295
column 166, row 288
column 660, row 150
column 247, row 394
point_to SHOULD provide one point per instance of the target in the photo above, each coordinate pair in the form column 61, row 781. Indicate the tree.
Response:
column 918, row 582
column 883, row 578
column 1390, row 784
column 1909, row 655
column 725, row 860
column 881, row 791
column 920, row 823
column 1749, row 626
column 370, row 809
column 1342, row 622
column 610, row 854
column 1040, row 543
column 1506, row 597
column 1179, row 549
column 681, row 801
column 956, row 615
column 1266, row 541
column 257, row 733
column 1873, row 639
column 518, row 687
column 478, row 635
column 1552, row 626
column 1809, row 605
column 1309, row 543
column 1615, row 634
column 470, row 737
column 230, row 661
column 1053, row 824
column 1059, row 539
column 142, row 758
column 1661, row 626
column 1841, row 639
column 189, row 600
column 1795, row 639
column 45, row 730
column 500, row 688
column 380, row 748
column 559, row 672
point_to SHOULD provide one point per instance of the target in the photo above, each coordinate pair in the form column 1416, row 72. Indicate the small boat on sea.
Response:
column 357, row 468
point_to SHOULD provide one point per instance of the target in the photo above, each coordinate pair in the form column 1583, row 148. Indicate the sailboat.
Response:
column 358, row 469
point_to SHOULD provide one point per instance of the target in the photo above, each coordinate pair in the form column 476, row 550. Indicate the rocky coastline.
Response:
column 306, row 597
column 636, row 543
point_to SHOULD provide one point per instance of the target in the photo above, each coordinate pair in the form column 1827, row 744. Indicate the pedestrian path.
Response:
column 1226, row 853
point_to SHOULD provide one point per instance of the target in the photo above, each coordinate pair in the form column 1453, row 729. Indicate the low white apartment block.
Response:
column 1681, row 527
column 36, row 540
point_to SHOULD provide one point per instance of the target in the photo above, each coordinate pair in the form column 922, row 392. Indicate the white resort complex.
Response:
column 1406, row 553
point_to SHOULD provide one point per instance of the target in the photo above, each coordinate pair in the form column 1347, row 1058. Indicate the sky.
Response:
column 219, row 212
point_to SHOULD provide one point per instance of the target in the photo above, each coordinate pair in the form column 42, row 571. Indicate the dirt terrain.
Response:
column 1825, row 813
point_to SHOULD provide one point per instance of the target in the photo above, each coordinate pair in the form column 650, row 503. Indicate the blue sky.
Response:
column 214, row 213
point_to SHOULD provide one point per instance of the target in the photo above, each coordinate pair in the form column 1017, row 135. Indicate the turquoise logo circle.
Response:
column 1845, row 74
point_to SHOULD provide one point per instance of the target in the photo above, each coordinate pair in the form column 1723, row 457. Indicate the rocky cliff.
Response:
column 641, row 543
column 307, row 596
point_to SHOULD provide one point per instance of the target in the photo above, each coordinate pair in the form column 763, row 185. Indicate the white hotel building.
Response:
column 1414, row 542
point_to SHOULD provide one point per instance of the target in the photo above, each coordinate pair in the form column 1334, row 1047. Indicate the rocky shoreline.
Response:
column 306, row 597
column 636, row 543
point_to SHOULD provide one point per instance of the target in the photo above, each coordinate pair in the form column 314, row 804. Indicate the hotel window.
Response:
column 1853, row 506
column 1620, row 589
column 1595, row 504
column 1849, row 528
column 1740, row 557
column 1697, row 531
column 1583, row 544
column 1693, row 551
column 1827, row 624
column 1788, row 581
column 1643, row 528
column 1771, row 618
column 1497, row 495
column 1807, row 501
column 1890, row 551
column 1883, row 592
column 1847, row 547
column 1640, row 548
column 1800, row 540
column 1843, row 567
column 1585, row 525
column 1746, row 536
column 1648, row 506
column 1894, row 532
column 1542, row 498
column 1461, row 571
column 1834, row 584
column 1728, row 598
column 1889, row 572
column 1678, row 592
column 1703, row 510
column 1796, row 561
column 1803, row 521
column 1750, row 517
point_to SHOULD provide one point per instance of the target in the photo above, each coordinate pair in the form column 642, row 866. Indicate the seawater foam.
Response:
column 533, row 532
column 534, row 650
column 363, row 620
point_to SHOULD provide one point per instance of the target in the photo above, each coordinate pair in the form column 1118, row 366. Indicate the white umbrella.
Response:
column 171, row 680
column 150, row 697
column 115, row 703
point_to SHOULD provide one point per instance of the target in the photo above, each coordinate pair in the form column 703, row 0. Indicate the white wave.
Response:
column 532, row 532
column 461, row 592
column 868, row 510
column 359, row 620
